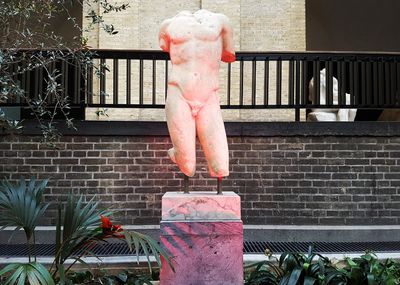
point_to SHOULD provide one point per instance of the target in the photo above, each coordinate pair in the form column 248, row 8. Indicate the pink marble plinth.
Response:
column 200, row 206
column 206, row 246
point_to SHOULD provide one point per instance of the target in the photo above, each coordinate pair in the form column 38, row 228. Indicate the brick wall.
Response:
column 318, row 180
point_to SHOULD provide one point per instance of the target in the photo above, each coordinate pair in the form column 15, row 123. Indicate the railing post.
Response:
column 266, row 81
column 115, row 81
column 392, row 82
column 316, row 76
column 329, row 82
column 291, row 83
column 397, row 100
column 253, row 82
column 297, row 92
column 154, row 78
column 279, row 82
column 304, row 82
column 102, row 81
column 89, row 83
column 141, row 82
column 241, row 83
column 228, row 84
column 128, row 81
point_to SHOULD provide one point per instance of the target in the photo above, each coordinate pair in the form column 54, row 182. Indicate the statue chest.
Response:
column 187, row 28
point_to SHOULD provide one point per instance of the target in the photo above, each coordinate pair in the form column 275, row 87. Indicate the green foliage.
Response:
column 263, row 273
column 33, row 273
column 104, row 277
column 106, row 8
column 137, row 241
column 78, row 230
column 304, row 269
column 312, row 268
column 22, row 206
column 26, row 26
column 369, row 270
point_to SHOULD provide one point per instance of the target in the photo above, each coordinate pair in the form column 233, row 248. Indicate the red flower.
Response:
column 105, row 223
column 110, row 230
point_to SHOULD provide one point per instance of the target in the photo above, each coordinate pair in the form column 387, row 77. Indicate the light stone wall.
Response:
column 259, row 25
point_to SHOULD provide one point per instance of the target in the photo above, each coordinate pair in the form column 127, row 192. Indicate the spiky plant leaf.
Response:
column 76, row 229
column 22, row 205
column 58, row 235
column 18, row 275
column 295, row 275
column 8, row 268
column 263, row 272
column 308, row 280
column 34, row 272
column 137, row 241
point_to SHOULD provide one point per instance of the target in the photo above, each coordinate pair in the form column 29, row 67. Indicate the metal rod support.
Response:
column 219, row 188
column 186, row 184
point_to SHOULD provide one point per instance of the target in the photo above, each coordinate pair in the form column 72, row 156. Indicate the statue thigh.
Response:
column 182, row 129
column 211, row 133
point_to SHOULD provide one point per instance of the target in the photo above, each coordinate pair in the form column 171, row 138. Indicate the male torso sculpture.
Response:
column 197, row 43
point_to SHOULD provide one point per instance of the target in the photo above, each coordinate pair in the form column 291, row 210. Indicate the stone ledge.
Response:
column 269, row 129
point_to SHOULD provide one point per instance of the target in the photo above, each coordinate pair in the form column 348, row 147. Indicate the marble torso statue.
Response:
column 324, row 115
column 196, row 42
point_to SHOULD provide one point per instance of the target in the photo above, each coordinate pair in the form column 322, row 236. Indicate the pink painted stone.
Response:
column 197, row 43
column 205, row 249
column 200, row 206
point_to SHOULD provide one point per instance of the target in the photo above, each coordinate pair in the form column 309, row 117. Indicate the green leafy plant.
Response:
column 137, row 241
column 367, row 269
column 23, row 206
column 80, row 227
column 31, row 272
column 30, row 43
column 77, row 230
column 263, row 273
column 104, row 277
column 312, row 268
column 294, row 268
column 307, row 269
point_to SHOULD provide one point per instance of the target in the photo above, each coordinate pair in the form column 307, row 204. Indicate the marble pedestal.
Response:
column 203, row 233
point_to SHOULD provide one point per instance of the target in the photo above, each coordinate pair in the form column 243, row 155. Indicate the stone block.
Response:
column 203, row 253
column 203, row 234
column 207, row 206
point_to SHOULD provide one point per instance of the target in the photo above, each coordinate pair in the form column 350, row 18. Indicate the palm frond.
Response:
column 8, row 268
column 22, row 204
column 137, row 241
column 33, row 272
column 77, row 228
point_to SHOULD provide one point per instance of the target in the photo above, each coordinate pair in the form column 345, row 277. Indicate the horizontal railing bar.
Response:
column 224, row 106
column 155, row 106
column 252, row 55
column 47, row 105
column 241, row 55
column 253, row 52
column 246, row 55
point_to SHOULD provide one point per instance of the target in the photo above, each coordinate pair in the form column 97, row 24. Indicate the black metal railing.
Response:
column 257, row 80
column 34, row 80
